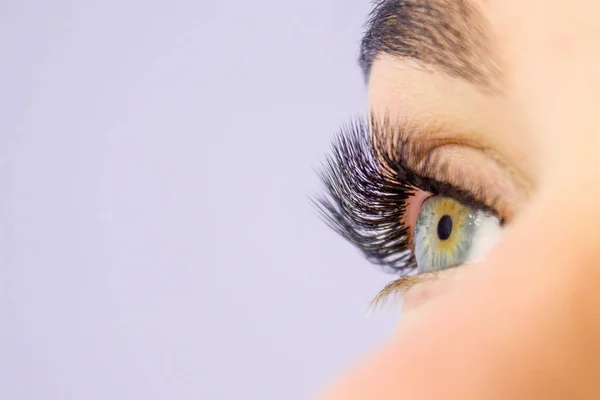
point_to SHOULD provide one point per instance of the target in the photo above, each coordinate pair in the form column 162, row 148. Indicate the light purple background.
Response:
column 156, row 237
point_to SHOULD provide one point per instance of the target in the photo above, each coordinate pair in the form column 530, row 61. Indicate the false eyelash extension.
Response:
column 367, row 186
column 362, row 204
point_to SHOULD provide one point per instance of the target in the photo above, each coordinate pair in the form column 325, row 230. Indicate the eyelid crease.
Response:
column 405, row 146
column 433, row 134
column 464, row 139
column 436, row 136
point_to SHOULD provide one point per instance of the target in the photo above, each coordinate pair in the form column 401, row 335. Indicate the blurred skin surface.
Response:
column 525, row 323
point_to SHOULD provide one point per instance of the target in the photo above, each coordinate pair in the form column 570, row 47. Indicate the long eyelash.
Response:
column 363, row 204
column 367, row 186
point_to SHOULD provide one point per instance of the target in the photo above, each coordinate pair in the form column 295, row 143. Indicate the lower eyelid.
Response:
column 431, row 287
column 418, row 295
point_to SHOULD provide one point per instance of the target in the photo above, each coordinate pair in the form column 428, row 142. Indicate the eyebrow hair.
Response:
column 447, row 34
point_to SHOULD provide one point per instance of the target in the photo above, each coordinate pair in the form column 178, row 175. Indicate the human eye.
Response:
column 448, row 233
column 403, row 206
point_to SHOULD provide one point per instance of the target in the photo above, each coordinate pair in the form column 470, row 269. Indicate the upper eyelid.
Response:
column 478, row 190
column 417, row 151
column 429, row 167
column 501, row 192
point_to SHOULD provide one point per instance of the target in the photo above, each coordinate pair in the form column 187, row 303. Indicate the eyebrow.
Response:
column 448, row 34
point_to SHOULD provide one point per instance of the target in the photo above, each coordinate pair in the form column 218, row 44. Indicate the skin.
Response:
column 525, row 323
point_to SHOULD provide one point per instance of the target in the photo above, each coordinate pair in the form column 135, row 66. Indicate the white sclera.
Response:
column 487, row 234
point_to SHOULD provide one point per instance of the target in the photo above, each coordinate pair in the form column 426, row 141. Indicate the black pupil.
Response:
column 444, row 228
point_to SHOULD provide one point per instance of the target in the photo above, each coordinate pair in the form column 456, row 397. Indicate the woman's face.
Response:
column 483, row 114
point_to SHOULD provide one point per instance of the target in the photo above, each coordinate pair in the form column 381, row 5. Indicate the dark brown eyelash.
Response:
column 367, row 186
